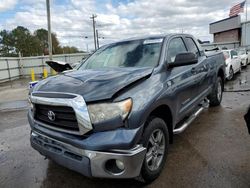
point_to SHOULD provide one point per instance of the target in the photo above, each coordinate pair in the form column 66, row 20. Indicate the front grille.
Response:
column 65, row 117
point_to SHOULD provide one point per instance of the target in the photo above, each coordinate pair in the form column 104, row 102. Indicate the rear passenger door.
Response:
column 199, row 70
column 182, row 79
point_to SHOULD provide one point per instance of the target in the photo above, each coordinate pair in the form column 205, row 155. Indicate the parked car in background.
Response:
column 233, row 63
column 244, row 56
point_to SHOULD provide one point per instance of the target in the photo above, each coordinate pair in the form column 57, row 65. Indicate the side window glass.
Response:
column 233, row 53
column 175, row 47
column 192, row 46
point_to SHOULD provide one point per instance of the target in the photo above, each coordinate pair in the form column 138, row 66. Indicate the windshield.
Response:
column 138, row 53
column 241, row 52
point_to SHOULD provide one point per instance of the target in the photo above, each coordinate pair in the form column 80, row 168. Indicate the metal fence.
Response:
column 18, row 67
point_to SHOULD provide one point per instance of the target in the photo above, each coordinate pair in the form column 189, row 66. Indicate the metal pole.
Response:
column 20, row 64
column 246, row 25
column 97, row 39
column 8, row 68
column 93, row 20
column 246, row 10
column 49, row 29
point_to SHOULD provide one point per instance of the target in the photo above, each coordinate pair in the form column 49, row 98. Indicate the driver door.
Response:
column 182, row 79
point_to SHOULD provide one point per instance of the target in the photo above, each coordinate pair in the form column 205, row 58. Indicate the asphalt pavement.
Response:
column 214, row 151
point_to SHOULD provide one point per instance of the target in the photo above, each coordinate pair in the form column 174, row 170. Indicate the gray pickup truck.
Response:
column 115, row 115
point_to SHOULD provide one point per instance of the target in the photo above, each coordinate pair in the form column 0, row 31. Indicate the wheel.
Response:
column 216, row 96
column 231, row 73
column 156, row 140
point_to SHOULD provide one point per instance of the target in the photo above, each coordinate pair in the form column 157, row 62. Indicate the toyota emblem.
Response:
column 51, row 115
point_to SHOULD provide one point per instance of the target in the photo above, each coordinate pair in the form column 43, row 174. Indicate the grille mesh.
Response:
column 65, row 117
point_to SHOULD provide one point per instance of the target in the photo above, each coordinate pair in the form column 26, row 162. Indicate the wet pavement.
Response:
column 214, row 151
column 240, row 82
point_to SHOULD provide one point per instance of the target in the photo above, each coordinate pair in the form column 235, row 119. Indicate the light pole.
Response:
column 49, row 29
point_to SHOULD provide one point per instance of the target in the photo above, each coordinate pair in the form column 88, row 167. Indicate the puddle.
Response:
column 240, row 83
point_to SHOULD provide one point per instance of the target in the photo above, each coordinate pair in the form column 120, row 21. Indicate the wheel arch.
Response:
column 164, row 112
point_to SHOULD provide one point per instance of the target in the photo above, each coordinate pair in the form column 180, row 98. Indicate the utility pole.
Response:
column 49, row 29
column 246, row 24
column 246, row 10
column 97, row 39
column 93, row 20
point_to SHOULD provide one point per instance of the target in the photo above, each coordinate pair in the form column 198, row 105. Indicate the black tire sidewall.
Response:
column 213, row 97
column 151, row 125
column 231, row 70
column 219, row 81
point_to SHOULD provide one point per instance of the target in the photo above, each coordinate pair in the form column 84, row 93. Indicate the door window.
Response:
column 175, row 47
column 192, row 46
column 233, row 53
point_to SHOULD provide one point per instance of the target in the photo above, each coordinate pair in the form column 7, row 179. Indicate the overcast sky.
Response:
column 116, row 19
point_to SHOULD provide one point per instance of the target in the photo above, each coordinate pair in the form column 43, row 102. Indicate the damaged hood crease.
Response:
column 93, row 85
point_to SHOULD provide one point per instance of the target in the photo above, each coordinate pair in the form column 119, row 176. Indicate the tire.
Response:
column 216, row 96
column 231, row 73
column 156, row 140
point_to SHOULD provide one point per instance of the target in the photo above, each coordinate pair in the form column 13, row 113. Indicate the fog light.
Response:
column 119, row 164
column 114, row 166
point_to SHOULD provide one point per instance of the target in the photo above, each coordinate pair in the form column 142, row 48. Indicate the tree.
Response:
column 21, row 40
column 42, row 35
column 69, row 50
column 6, row 44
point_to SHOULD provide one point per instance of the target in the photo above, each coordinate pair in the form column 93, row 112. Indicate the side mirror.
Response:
column 183, row 59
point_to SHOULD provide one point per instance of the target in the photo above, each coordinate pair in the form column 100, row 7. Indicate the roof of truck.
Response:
column 148, row 37
column 154, row 36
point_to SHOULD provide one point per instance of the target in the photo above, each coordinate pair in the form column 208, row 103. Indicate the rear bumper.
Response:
column 87, row 162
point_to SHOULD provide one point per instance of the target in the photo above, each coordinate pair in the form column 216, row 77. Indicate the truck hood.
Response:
column 93, row 85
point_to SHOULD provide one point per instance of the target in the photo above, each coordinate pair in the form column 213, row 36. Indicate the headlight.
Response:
column 105, row 111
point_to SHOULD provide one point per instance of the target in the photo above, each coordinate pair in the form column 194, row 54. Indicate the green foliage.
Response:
column 21, row 40
column 6, row 43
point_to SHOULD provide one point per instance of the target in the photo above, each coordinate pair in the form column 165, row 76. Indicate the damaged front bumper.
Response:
column 105, row 164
